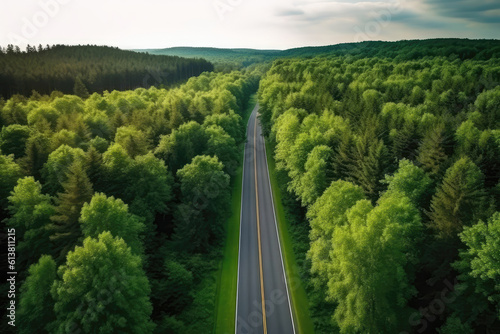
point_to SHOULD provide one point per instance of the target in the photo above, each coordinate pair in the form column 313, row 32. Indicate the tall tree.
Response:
column 460, row 200
column 36, row 305
column 204, row 193
column 65, row 227
column 30, row 213
column 110, row 214
column 102, row 288
column 368, row 274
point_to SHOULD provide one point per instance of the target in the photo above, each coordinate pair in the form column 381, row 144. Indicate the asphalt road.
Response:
column 261, row 279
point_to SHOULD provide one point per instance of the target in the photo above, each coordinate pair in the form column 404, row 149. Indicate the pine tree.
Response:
column 460, row 200
column 79, row 89
column 431, row 153
column 66, row 228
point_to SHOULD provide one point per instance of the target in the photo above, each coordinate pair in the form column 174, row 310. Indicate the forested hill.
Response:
column 82, row 69
column 403, row 50
column 407, row 50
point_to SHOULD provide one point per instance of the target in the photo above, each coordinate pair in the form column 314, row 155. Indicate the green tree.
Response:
column 102, row 288
column 460, row 200
column 368, row 273
column 13, row 139
column 9, row 173
column 149, row 186
column 182, row 145
column 479, row 263
column 325, row 215
column 110, row 214
column 317, row 174
column 134, row 141
column 432, row 155
column 205, row 193
column 79, row 88
column 30, row 213
column 65, row 228
column 411, row 181
column 56, row 168
column 36, row 305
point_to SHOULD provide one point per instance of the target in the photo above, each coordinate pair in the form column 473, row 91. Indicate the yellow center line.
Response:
column 258, row 226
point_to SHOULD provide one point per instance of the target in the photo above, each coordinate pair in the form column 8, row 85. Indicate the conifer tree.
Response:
column 460, row 200
column 65, row 227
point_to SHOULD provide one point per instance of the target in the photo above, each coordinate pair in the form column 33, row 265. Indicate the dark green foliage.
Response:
column 13, row 140
column 91, row 68
column 205, row 193
column 36, row 304
column 460, row 200
column 65, row 228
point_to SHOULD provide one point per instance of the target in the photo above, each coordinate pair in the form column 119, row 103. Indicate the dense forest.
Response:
column 82, row 70
column 389, row 154
column 120, row 199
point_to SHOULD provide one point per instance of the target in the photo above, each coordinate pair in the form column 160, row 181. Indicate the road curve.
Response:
column 261, row 277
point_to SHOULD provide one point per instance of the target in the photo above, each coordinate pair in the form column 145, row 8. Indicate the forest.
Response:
column 390, row 162
column 117, row 170
column 119, row 199
column 81, row 70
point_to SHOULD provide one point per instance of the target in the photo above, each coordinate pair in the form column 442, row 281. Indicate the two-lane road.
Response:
column 262, row 301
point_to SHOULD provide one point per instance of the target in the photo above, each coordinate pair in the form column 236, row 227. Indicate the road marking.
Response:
column 258, row 226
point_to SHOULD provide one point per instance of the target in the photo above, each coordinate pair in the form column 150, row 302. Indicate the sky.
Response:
column 261, row 24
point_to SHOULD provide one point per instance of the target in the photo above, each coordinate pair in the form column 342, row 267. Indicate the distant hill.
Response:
column 92, row 68
column 407, row 49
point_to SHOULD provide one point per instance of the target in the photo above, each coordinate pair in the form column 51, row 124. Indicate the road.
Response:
column 261, row 279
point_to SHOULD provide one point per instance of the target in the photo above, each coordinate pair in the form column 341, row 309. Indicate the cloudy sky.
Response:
column 265, row 24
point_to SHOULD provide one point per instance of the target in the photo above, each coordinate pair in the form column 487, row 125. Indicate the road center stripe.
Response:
column 258, row 226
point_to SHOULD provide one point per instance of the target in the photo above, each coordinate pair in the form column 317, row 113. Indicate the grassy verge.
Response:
column 228, row 268
column 300, row 303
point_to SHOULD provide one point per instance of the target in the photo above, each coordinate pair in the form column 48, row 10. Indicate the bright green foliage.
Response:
column 231, row 123
column 410, row 180
column 223, row 146
column 36, row 305
column 57, row 166
column 479, row 262
column 9, row 173
column 149, row 185
column 110, row 214
column 315, row 179
column 30, row 212
column 134, row 141
column 13, row 139
column 460, row 199
column 205, row 192
column 367, row 275
column 182, row 145
column 325, row 215
column 102, row 288
column 65, row 227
